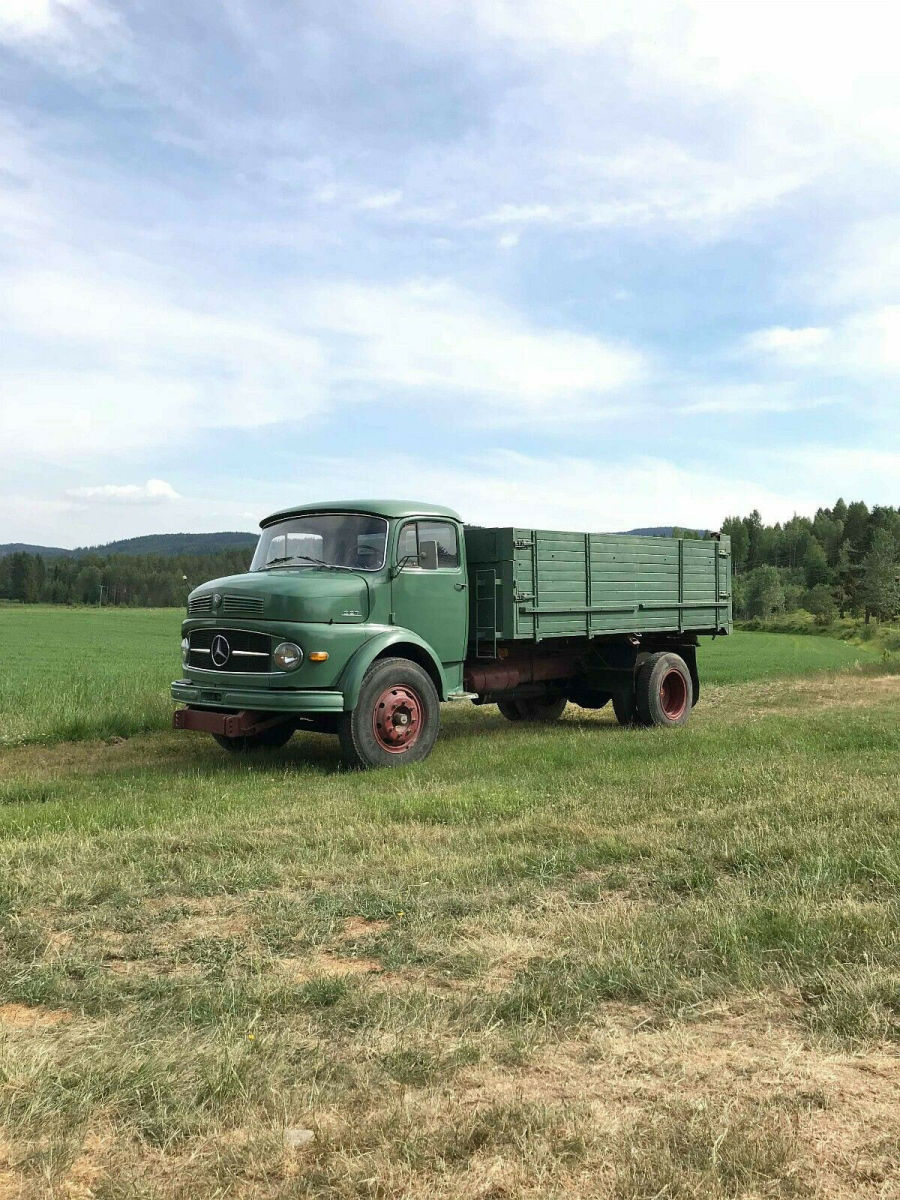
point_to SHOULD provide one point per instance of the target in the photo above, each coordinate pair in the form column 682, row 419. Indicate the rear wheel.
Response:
column 623, row 707
column 532, row 710
column 663, row 691
column 396, row 719
column 268, row 739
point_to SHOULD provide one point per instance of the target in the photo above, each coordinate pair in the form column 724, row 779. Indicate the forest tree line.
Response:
column 844, row 561
column 132, row 580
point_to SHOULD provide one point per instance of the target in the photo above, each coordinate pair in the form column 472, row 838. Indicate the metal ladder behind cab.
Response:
column 485, row 612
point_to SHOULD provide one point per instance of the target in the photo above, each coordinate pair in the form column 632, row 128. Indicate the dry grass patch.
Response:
column 718, row 1106
column 844, row 690
column 355, row 929
column 22, row 1016
column 321, row 965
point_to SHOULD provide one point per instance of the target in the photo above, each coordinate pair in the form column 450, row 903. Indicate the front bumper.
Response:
column 282, row 700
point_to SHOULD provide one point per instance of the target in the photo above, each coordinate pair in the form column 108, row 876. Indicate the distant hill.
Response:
column 152, row 543
column 662, row 531
column 27, row 548
column 196, row 543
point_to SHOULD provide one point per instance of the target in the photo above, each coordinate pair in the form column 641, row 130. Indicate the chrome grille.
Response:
column 200, row 604
column 242, row 606
column 247, row 652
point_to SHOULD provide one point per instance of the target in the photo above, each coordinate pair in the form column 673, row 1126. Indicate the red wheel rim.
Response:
column 397, row 719
column 673, row 694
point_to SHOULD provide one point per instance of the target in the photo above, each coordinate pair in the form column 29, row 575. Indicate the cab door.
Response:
column 429, row 585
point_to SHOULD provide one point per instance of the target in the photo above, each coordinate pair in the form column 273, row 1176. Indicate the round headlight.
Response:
column 185, row 649
column 287, row 656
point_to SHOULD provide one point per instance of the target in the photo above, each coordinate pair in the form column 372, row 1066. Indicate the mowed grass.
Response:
column 72, row 673
column 569, row 961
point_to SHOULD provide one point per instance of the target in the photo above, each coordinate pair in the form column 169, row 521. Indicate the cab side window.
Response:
column 408, row 543
column 434, row 544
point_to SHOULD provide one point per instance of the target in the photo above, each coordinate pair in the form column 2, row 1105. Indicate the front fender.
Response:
column 352, row 676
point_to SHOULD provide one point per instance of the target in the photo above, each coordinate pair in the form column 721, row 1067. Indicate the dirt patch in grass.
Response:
column 357, row 928
column 10, row 1179
column 20, row 1016
column 210, row 925
column 87, row 1169
column 321, row 965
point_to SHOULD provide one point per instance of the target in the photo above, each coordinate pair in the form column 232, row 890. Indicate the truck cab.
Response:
column 334, row 592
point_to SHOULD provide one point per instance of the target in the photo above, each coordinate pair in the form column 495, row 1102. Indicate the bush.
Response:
column 819, row 601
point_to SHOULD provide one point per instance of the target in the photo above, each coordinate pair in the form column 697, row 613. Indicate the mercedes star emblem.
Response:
column 220, row 650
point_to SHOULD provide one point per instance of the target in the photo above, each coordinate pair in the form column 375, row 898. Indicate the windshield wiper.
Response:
column 320, row 562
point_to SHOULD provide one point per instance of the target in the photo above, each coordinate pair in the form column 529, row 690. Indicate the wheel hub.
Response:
column 673, row 694
column 397, row 719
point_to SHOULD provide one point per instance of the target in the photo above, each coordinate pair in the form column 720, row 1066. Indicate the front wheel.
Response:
column 396, row 718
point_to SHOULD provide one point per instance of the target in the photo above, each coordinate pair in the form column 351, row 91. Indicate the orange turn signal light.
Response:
column 317, row 655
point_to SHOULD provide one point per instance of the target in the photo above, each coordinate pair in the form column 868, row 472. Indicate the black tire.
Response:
column 270, row 739
column 589, row 698
column 393, row 688
column 623, row 707
column 664, row 693
column 532, row 710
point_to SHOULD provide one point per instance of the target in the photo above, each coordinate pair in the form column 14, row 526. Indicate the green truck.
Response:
column 359, row 618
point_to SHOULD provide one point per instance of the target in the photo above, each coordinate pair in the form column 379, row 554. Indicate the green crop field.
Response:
column 566, row 961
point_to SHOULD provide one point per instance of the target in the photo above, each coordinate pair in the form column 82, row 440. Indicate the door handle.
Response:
column 460, row 587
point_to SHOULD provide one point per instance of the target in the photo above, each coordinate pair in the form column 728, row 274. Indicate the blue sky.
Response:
column 555, row 263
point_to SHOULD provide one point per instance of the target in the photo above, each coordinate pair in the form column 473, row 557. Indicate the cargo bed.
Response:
column 537, row 583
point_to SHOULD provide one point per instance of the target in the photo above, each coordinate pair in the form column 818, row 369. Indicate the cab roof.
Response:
column 378, row 508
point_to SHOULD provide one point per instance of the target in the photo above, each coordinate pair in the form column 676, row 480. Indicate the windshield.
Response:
column 348, row 540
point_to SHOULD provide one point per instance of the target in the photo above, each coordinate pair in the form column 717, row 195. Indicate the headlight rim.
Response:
column 290, row 666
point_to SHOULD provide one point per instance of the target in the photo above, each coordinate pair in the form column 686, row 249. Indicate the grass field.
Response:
column 568, row 962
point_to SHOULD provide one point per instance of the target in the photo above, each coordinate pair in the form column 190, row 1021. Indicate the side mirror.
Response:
column 428, row 555
column 404, row 562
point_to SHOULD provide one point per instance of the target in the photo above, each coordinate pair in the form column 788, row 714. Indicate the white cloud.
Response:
column 699, row 115
column 154, row 491
column 781, row 338
column 26, row 18
column 835, row 62
column 441, row 340
column 76, row 35
column 381, row 200
column 135, row 369
column 863, row 268
column 567, row 492
column 656, row 183
column 750, row 399
column 862, row 344
column 827, row 470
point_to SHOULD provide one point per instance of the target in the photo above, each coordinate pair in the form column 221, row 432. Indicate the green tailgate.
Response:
column 538, row 583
